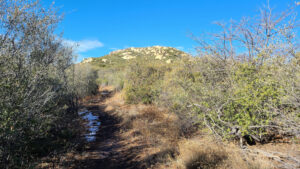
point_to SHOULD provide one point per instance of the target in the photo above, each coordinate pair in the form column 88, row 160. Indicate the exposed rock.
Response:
column 127, row 57
column 159, row 57
column 87, row 60
column 158, row 52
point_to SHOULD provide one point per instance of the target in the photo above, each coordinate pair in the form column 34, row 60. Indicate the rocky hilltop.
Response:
column 165, row 54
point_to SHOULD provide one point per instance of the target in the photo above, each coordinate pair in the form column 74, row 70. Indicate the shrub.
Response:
column 111, row 77
column 82, row 78
column 223, row 97
column 241, row 86
column 143, row 82
column 36, row 105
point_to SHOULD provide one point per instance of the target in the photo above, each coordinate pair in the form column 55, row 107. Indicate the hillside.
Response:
column 124, row 56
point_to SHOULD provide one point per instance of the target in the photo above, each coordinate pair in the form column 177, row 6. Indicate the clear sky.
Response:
column 101, row 26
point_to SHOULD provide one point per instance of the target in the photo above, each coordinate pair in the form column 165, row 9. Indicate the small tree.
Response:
column 34, row 100
column 243, row 76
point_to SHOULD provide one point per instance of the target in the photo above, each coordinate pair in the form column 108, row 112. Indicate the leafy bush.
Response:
column 143, row 82
column 254, row 95
column 37, row 107
column 224, row 97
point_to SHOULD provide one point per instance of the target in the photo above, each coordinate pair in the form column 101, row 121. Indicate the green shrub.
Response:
column 37, row 108
column 209, row 93
column 255, row 95
column 143, row 82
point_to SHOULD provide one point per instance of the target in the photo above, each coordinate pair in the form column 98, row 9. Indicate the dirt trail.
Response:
column 134, row 137
column 117, row 144
column 110, row 150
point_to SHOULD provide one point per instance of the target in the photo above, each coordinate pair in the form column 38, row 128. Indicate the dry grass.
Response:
column 156, row 126
column 204, row 153
column 151, row 126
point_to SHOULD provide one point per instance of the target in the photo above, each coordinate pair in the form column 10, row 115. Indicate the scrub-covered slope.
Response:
column 124, row 56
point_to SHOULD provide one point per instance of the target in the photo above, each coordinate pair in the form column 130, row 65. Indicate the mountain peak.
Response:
column 163, row 53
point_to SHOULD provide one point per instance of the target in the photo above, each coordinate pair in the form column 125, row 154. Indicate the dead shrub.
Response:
column 203, row 153
column 207, row 158
column 152, row 114
column 162, row 156
column 158, row 124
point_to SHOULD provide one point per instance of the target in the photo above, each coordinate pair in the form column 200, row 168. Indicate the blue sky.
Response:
column 101, row 26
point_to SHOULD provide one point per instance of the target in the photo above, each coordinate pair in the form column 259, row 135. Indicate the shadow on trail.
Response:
column 109, row 150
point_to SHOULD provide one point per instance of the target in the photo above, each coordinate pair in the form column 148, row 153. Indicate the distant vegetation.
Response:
column 112, row 68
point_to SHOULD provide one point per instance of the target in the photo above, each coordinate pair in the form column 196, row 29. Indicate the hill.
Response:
column 124, row 56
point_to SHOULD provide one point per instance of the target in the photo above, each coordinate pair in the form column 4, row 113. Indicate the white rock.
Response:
column 159, row 57
column 128, row 57
column 87, row 60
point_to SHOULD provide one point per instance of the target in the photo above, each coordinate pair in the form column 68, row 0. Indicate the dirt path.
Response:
column 117, row 144
column 140, row 136
column 110, row 150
